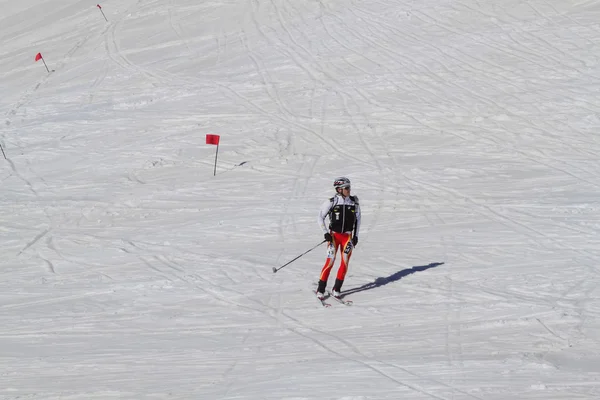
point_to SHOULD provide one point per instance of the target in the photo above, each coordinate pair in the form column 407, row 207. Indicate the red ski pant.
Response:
column 343, row 242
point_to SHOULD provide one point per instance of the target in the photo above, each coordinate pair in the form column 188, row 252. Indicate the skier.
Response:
column 343, row 212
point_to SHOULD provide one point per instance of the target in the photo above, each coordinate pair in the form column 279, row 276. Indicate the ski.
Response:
column 323, row 302
column 341, row 301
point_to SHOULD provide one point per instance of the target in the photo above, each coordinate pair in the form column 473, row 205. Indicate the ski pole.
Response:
column 289, row 262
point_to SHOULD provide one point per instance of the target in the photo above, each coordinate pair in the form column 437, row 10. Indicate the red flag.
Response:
column 212, row 139
column 98, row 5
column 38, row 56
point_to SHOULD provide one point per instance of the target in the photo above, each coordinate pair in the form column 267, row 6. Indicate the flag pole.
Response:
column 100, row 8
column 214, row 139
column 216, row 154
column 45, row 64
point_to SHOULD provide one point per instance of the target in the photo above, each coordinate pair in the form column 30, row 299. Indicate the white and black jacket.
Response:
column 343, row 213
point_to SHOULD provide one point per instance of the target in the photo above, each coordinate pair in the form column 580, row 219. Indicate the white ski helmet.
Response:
column 341, row 182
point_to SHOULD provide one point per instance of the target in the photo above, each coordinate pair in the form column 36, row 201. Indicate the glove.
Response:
column 354, row 241
column 328, row 237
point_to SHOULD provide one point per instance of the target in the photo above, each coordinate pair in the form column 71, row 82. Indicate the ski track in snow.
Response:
column 469, row 130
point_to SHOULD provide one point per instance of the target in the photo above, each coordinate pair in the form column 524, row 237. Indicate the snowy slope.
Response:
column 469, row 130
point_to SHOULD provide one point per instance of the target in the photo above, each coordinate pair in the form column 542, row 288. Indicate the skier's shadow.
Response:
column 392, row 278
